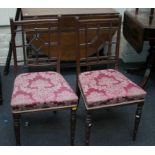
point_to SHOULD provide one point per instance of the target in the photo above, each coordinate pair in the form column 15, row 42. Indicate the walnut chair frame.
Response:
column 111, row 28
column 21, row 32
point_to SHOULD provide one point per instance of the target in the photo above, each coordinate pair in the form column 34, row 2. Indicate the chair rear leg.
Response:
column 16, row 121
column 78, row 92
column 73, row 125
column 88, row 126
column 137, row 120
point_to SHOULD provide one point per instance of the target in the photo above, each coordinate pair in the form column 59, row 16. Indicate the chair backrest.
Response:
column 68, row 30
column 31, row 38
column 98, row 40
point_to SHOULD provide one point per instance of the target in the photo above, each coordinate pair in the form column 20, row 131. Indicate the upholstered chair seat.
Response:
column 34, row 91
column 103, row 88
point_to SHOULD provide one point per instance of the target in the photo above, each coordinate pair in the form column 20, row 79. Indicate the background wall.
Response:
column 5, row 14
column 127, row 53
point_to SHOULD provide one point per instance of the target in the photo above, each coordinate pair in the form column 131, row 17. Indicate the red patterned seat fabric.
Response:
column 106, row 87
column 41, row 90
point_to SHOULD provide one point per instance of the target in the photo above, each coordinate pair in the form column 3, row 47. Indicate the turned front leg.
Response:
column 16, row 122
column 73, row 125
column 137, row 120
column 88, row 126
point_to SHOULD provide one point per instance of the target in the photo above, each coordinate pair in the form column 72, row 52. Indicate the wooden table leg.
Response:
column 150, row 64
column 8, row 60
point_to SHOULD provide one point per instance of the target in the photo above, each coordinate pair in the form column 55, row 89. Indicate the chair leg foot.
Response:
column 88, row 128
column 16, row 121
column 73, row 125
column 137, row 120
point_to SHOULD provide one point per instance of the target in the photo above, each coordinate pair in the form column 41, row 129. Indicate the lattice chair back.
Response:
column 35, row 40
column 102, row 38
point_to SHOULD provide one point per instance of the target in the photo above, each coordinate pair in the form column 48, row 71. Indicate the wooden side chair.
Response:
column 43, row 90
column 108, row 87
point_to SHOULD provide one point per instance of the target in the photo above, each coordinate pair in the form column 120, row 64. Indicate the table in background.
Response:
column 68, row 39
column 139, row 26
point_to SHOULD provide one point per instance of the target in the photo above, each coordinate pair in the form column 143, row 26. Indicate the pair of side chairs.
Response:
column 49, row 91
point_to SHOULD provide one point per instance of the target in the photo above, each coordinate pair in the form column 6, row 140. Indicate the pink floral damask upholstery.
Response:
column 41, row 90
column 107, row 87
